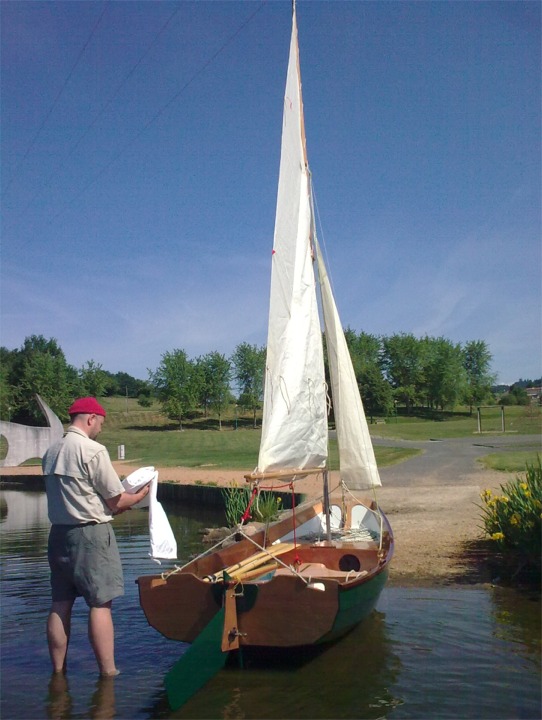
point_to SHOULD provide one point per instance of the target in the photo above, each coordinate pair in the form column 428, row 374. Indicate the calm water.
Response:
column 438, row 653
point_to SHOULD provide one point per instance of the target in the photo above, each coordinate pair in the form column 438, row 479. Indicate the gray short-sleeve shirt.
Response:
column 79, row 477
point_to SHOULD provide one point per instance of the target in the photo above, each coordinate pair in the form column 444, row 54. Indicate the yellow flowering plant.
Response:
column 513, row 517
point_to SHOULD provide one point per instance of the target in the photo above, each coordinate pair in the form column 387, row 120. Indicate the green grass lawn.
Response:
column 150, row 438
column 513, row 461
column 229, row 449
column 519, row 420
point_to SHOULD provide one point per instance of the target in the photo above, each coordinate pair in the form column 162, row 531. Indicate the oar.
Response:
column 203, row 659
column 219, row 576
column 243, row 575
column 252, row 561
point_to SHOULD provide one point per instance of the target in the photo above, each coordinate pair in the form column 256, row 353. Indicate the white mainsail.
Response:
column 358, row 468
column 294, row 427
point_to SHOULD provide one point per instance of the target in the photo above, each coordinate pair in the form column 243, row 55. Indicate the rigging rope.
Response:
column 376, row 512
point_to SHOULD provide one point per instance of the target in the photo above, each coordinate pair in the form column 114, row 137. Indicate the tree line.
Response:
column 396, row 370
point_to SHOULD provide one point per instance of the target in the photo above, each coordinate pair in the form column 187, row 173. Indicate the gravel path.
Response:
column 448, row 461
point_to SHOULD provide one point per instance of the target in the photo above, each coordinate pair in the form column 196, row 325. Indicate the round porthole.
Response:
column 349, row 562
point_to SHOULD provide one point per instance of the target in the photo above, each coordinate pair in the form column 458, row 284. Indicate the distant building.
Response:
column 535, row 395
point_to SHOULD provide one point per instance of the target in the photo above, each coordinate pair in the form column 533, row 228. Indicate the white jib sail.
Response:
column 294, row 428
column 357, row 461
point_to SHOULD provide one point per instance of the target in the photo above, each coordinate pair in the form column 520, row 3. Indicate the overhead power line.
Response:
column 146, row 126
column 159, row 113
column 102, row 110
column 58, row 96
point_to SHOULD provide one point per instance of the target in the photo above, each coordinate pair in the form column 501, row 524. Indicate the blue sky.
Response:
column 140, row 154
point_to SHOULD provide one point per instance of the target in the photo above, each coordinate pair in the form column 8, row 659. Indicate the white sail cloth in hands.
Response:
column 162, row 539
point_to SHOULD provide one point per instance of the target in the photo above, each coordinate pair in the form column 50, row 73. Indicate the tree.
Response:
column 145, row 399
column 175, row 386
column 365, row 351
column 249, row 367
column 40, row 366
column 215, row 389
column 476, row 361
column 94, row 380
column 445, row 376
column 402, row 360
column 517, row 395
column 8, row 388
column 121, row 383
column 376, row 392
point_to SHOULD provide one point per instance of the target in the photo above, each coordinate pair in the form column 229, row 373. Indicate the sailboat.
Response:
column 318, row 571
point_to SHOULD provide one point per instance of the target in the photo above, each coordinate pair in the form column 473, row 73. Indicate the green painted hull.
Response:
column 355, row 604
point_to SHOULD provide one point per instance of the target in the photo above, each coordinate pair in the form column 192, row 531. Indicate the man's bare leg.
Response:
column 102, row 638
column 58, row 633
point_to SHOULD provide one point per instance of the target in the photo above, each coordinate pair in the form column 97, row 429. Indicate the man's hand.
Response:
column 124, row 501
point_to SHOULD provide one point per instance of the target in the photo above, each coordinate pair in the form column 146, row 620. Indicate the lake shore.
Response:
column 437, row 528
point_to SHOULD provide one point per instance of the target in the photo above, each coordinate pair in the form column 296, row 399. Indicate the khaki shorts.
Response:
column 85, row 561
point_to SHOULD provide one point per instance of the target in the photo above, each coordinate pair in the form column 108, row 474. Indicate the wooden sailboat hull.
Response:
column 306, row 590
column 335, row 585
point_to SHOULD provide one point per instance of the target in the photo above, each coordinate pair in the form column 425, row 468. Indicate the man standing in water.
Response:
column 83, row 494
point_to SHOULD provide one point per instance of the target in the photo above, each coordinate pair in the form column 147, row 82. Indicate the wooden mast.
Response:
column 311, row 236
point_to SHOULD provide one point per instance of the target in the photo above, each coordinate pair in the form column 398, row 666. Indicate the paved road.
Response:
column 449, row 461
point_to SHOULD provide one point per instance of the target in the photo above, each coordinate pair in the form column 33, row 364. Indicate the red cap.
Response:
column 86, row 405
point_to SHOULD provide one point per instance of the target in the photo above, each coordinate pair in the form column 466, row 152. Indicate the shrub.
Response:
column 512, row 519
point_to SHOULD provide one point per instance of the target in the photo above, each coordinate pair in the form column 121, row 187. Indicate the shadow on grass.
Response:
column 153, row 428
column 197, row 424
column 427, row 413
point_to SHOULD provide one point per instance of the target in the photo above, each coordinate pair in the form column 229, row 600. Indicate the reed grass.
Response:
column 264, row 507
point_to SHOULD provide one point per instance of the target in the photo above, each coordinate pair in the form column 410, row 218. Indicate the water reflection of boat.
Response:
column 354, row 677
